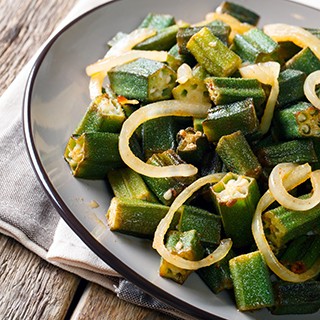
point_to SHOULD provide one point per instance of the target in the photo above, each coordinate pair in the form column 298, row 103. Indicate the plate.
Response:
column 56, row 98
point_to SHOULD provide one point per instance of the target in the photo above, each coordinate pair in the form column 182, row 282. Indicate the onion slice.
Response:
column 152, row 111
column 95, row 85
column 291, row 180
column 106, row 64
column 285, row 199
column 309, row 88
column 299, row 36
column 266, row 73
column 184, row 73
column 158, row 241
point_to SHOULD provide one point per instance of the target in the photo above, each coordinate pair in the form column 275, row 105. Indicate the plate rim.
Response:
column 67, row 215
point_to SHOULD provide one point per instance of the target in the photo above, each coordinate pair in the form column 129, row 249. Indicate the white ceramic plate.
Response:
column 56, row 98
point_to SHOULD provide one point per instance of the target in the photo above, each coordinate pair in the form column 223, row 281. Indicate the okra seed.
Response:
column 167, row 195
column 305, row 129
column 212, row 44
column 301, row 117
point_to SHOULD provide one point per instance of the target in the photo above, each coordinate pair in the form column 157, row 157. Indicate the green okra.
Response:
column 104, row 114
column 186, row 245
column 164, row 139
column 137, row 217
column 197, row 124
column 194, row 89
column 163, row 40
column 238, row 11
column 167, row 189
column 175, row 59
column 283, row 225
column 305, row 61
column 212, row 54
column 126, row 183
column 192, row 146
column 217, row 276
column 236, row 198
column 143, row 79
column 157, row 21
column 207, row 224
column 91, row 155
column 296, row 298
column 224, row 90
column 301, row 253
column 301, row 120
column 220, row 29
column 251, row 281
column 291, row 83
column 236, row 153
column 287, row 50
column 255, row 46
column 226, row 119
column 295, row 151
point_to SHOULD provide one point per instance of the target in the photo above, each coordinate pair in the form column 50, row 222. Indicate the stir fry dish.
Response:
column 209, row 136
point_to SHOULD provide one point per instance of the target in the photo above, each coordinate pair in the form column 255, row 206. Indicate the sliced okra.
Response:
column 238, row 11
column 143, row 79
column 236, row 153
column 212, row 54
column 305, row 61
column 157, row 21
column 283, row 225
column 251, row 281
column 236, row 198
column 91, row 155
column 167, row 189
column 255, row 46
column 291, row 83
column 296, row 298
column 224, row 90
column 126, row 183
column 287, row 50
column 301, row 120
column 295, row 151
column 186, row 245
column 226, row 119
column 104, row 114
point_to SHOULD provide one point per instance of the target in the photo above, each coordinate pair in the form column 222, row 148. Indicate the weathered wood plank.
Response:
column 98, row 303
column 30, row 287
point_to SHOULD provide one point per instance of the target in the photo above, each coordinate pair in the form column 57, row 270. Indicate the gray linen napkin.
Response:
column 26, row 213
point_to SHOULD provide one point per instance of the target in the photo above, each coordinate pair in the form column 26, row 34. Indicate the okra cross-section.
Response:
column 143, row 79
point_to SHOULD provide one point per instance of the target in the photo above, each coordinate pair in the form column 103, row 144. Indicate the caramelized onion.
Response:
column 158, row 242
column 312, row 80
column 152, row 111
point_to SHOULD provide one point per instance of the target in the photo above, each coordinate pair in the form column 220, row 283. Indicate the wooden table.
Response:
column 31, row 288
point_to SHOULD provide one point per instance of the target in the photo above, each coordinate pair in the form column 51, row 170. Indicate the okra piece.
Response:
column 241, row 13
column 194, row 89
column 255, row 46
column 251, row 281
column 126, row 183
column 296, row 298
column 186, row 245
column 224, row 90
column 287, row 50
column 207, row 224
column 192, row 146
column 212, row 54
column 164, row 139
column 104, row 114
column 157, row 21
column 167, row 189
column 236, row 198
column 137, row 217
column 305, row 61
column 301, row 253
column 175, row 59
column 236, row 153
column 295, row 151
column 91, row 155
column 226, row 119
column 282, row 225
column 163, row 40
column 220, row 29
column 143, row 79
column 290, row 86
column 301, row 120
column 217, row 276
